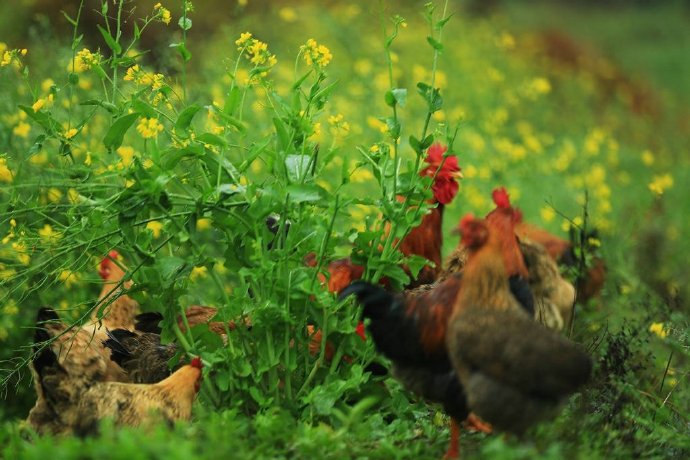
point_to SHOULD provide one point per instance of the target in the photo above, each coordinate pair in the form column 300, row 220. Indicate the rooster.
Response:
column 120, row 308
column 425, row 240
column 74, row 392
column 553, row 296
column 410, row 328
column 515, row 371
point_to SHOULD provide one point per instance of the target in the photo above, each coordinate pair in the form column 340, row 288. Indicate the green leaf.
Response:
column 283, row 136
column 210, row 138
column 42, row 118
column 393, row 127
column 426, row 143
column 182, row 49
column 116, row 133
column 389, row 98
column 185, row 23
column 170, row 266
column 442, row 22
column 400, row 95
column 69, row 19
column 144, row 108
column 232, row 102
column 415, row 144
column 110, row 107
column 184, row 120
column 109, row 40
column 296, row 166
column 304, row 193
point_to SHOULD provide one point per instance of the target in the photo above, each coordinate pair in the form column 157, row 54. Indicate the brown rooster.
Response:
column 412, row 329
column 74, row 393
column 120, row 308
column 515, row 371
column 553, row 296
column 425, row 240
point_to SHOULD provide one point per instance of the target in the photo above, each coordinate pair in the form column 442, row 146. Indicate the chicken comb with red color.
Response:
column 104, row 267
column 465, row 222
column 501, row 198
column 196, row 362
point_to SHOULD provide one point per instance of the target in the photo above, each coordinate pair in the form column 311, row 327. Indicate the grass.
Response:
column 191, row 225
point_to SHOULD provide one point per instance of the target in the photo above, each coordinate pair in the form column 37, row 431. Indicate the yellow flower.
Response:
column 149, row 127
column 71, row 133
column 85, row 60
column 203, row 224
column 198, row 272
column 162, row 13
column 541, row 85
column 244, row 38
column 658, row 329
column 132, row 73
column 54, row 195
column 10, row 308
column 39, row 104
column 68, row 277
column 155, row 227
column 22, row 129
column 287, row 14
column 126, row 154
column 49, row 235
column 647, row 158
column 547, row 213
column 315, row 54
column 5, row 173
column 660, row 184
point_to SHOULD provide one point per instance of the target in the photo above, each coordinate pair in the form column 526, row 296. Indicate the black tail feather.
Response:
column 43, row 355
column 148, row 322
column 119, row 352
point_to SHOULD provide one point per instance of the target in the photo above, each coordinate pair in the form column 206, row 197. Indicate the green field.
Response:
column 172, row 143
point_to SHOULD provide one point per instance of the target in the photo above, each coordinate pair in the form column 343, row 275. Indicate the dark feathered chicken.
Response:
column 413, row 329
column 515, row 371
column 141, row 355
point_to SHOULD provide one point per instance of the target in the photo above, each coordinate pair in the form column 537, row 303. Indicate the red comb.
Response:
column 104, row 267
column 466, row 221
column 501, row 198
column 196, row 362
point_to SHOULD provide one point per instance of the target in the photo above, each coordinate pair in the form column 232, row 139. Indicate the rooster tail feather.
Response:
column 375, row 300
column 148, row 322
column 43, row 355
column 119, row 352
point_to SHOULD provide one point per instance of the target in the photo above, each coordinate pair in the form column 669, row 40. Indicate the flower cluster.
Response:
column 9, row 56
column 140, row 77
column 315, row 54
column 256, row 50
column 149, row 127
column 162, row 14
column 85, row 60
column 5, row 173
column 660, row 184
